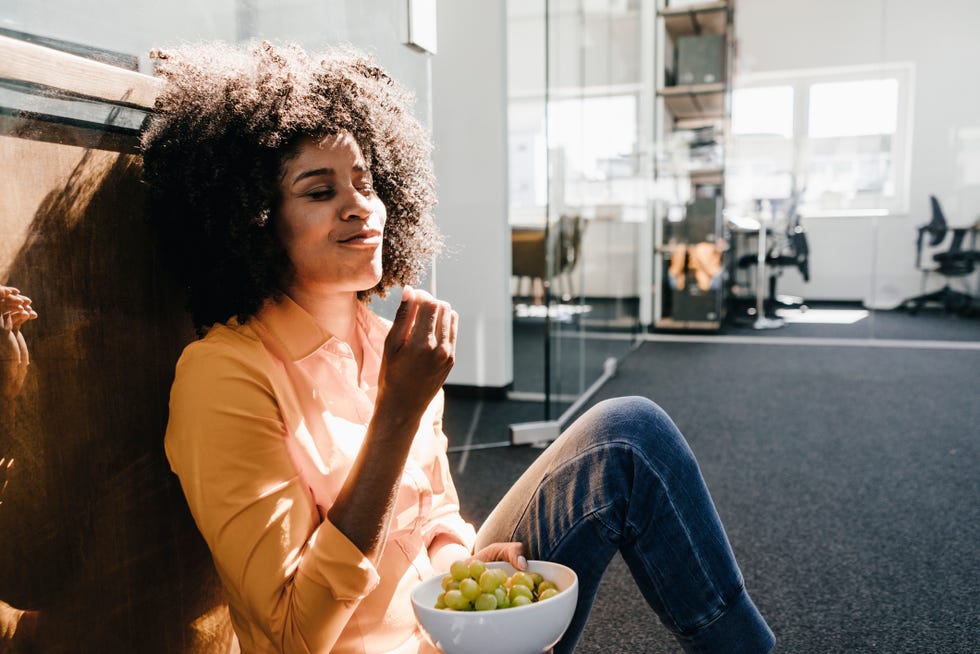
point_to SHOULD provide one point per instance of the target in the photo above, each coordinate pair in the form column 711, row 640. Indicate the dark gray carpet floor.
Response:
column 848, row 480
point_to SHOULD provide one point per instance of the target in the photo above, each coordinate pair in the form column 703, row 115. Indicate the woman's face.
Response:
column 329, row 218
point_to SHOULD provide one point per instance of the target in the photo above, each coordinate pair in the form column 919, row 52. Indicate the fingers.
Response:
column 445, row 323
column 515, row 556
column 511, row 552
column 454, row 328
column 420, row 349
column 21, row 316
column 15, row 306
column 436, row 324
column 427, row 319
column 404, row 318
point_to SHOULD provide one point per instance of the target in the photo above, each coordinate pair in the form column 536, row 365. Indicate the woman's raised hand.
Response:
column 420, row 350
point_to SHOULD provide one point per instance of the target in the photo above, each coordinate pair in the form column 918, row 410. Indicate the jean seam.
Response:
column 716, row 616
column 585, row 518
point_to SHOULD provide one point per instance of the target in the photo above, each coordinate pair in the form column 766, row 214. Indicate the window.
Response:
column 841, row 137
column 593, row 145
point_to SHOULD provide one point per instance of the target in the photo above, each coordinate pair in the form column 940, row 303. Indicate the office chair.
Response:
column 789, row 250
column 956, row 261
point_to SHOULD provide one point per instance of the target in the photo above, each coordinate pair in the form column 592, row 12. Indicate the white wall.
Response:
column 941, row 39
column 469, row 117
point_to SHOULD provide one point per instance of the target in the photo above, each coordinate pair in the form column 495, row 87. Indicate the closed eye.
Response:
column 321, row 194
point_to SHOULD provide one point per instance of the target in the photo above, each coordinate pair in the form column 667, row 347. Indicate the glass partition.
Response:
column 578, row 197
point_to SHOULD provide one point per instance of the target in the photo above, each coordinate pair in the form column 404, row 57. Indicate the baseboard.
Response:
column 471, row 392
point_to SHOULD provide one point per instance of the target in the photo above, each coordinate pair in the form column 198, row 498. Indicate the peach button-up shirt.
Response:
column 266, row 419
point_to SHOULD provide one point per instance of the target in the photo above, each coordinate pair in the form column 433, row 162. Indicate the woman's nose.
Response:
column 357, row 206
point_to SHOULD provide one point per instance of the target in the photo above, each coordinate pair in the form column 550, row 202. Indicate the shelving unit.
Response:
column 696, row 103
column 701, row 18
column 694, row 54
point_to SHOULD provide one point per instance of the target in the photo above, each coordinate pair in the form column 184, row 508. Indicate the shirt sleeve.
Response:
column 444, row 518
column 296, row 579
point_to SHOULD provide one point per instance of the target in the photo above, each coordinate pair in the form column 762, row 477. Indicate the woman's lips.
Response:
column 367, row 237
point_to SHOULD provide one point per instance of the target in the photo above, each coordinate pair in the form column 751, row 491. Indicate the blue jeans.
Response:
column 623, row 479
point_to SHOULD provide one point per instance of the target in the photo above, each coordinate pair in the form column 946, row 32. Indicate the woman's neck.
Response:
column 334, row 312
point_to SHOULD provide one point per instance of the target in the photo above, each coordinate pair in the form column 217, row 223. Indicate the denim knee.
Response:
column 638, row 421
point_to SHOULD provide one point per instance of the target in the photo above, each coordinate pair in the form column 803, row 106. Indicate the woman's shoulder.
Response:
column 224, row 345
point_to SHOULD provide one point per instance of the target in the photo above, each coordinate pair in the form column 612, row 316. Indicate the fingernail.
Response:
column 522, row 563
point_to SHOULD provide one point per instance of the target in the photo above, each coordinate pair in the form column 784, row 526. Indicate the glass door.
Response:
column 578, row 200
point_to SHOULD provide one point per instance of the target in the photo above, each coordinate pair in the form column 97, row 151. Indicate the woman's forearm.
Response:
column 364, row 505
column 419, row 353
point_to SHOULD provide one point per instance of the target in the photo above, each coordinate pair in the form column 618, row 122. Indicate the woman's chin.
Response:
column 369, row 282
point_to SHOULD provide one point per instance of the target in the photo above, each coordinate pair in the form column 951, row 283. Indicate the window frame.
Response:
column 801, row 81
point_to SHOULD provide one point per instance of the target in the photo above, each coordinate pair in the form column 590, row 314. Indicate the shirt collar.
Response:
column 300, row 334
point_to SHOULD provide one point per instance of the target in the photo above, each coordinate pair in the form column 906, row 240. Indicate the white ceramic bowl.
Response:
column 530, row 629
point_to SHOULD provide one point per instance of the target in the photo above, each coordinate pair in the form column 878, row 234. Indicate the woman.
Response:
column 306, row 431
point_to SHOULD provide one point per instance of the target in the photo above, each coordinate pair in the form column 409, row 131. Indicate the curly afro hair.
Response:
column 213, row 151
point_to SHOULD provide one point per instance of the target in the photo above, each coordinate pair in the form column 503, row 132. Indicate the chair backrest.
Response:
column 568, row 243
column 795, row 246
column 802, row 251
column 936, row 228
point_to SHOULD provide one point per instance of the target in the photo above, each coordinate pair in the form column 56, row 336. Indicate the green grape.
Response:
column 460, row 570
column 454, row 599
column 521, row 579
column 485, row 602
column 477, row 567
column 471, row 585
column 545, row 585
column 489, row 580
column 547, row 593
column 469, row 588
column 520, row 590
column 503, row 599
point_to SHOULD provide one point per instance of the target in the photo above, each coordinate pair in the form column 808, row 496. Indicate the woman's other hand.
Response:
column 512, row 553
column 15, row 310
column 420, row 350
